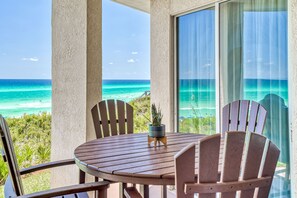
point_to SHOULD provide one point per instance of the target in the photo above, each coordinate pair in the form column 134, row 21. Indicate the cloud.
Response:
column 134, row 53
column 131, row 60
column 111, row 63
column 33, row 59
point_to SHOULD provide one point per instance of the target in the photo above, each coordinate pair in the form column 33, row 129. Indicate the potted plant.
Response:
column 156, row 128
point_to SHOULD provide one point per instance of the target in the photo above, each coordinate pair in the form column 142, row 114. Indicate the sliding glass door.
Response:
column 254, row 66
column 196, row 72
column 252, row 62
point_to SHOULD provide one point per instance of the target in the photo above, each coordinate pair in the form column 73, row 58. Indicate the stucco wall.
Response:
column 178, row 7
column 162, row 59
column 94, row 61
column 76, row 76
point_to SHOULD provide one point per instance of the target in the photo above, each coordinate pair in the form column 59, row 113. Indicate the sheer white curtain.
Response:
column 231, row 51
column 196, row 72
column 254, row 66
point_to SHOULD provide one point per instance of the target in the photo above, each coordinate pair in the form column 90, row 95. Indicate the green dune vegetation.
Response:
column 142, row 112
column 199, row 125
column 31, row 137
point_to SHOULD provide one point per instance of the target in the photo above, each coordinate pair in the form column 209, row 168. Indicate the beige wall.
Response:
column 162, row 62
column 177, row 7
column 161, row 59
column 76, row 71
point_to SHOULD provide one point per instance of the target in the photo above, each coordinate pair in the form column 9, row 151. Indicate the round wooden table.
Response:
column 129, row 159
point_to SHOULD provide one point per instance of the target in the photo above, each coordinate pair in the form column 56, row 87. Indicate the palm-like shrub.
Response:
column 156, row 116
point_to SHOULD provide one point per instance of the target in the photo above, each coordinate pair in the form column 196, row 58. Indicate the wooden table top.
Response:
column 129, row 159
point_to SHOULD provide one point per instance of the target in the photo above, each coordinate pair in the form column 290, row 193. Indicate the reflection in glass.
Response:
column 196, row 72
column 254, row 66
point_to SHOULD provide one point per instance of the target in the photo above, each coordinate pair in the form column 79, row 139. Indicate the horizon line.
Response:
column 137, row 79
column 51, row 79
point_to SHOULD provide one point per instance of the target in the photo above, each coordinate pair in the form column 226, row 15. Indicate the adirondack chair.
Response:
column 113, row 117
column 241, row 116
column 14, row 187
column 233, row 165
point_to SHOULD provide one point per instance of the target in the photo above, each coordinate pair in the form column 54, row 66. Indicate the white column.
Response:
column 162, row 68
column 76, row 78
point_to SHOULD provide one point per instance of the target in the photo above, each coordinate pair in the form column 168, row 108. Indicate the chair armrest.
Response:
column 100, row 186
column 132, row 192
column 47, row 165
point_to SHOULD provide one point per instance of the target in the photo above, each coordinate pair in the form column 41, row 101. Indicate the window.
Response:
column 196, row 72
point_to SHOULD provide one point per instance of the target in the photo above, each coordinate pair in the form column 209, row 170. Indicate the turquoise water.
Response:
column 125, row 90
column 24, row 96
column 197, row 97
column 34, row 96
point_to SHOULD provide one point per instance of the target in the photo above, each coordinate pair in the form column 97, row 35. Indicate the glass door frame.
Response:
column 216, row 7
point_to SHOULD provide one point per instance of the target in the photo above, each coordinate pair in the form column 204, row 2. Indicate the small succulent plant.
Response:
column 156, row 116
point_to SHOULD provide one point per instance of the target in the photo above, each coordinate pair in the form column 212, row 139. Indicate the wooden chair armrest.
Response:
column 47, row 166
column 132, row 192
column 100, row 186
column 227, row 186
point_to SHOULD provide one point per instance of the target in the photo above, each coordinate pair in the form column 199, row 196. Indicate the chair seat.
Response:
column 131, row 192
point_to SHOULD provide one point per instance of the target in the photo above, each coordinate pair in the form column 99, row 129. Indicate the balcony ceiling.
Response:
column 142, row 5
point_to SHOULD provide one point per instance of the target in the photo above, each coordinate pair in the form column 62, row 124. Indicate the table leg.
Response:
column 144, row 191
column 82, row 177
column 102, row 194
column 122, row 187
column 164, row 191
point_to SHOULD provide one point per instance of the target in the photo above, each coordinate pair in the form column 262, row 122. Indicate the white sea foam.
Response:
column 23, row 90
column 25, row 105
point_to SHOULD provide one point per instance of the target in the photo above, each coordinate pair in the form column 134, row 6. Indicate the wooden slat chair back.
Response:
column 238, row 175
column 241, row 115
column 9, row 156
column 112, row 117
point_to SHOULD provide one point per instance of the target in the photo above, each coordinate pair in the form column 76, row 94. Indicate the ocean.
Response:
column 18, row 97
column 34, row 96
column 197, row 97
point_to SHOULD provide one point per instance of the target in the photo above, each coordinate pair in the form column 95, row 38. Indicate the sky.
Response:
column 25, row 40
